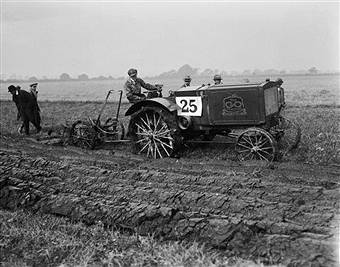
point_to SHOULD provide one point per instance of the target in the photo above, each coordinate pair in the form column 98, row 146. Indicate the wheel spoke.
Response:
column 164, row 148
column 262, row 157
column 250, row 153
column 148, row 121
column 142, row 140
column 161, row 142
column 142, row 128
column 157, row 150
column 156, row 122
column 250, row 142
column 165, row 128
column 146, row 145
column 245, row 146
column 145, row 123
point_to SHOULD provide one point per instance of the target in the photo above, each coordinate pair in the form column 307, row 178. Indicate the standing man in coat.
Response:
column 34, row 105
column 26, row 109
column 133, row 87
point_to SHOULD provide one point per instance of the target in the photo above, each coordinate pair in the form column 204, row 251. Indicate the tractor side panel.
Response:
column 271, row 100
column 236, row 106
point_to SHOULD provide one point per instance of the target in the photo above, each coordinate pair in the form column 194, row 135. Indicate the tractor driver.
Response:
column 133, row 87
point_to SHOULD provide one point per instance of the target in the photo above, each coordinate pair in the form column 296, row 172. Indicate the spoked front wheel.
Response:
column 154, row 133
column 82, row 135
column 256, row 144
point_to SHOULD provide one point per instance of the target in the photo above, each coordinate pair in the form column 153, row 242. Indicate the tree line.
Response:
column 178, row 74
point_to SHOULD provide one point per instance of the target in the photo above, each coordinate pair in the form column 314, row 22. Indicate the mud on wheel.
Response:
column 154, row 132
column 112, row 130
column 256, row 144
column 287, row 134
column 82, row 135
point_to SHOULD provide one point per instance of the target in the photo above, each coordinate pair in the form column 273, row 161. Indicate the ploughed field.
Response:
column 283, row 212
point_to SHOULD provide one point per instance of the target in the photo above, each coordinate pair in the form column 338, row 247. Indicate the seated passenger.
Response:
column 187, row 81
column 218, row 79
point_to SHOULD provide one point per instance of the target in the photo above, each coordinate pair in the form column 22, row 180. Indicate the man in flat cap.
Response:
column 218, row 79
column 133, row 87
column 35, row 106
column 26, row 107
column 187, row 81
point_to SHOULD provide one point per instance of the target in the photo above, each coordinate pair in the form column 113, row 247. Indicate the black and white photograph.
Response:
column 170, row 133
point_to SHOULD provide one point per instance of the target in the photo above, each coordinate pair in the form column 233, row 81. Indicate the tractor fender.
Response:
column 168, row 104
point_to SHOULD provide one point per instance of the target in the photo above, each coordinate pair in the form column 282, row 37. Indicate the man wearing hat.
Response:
column 133, row 87
column 218, row 79
column 187, row 81
column 34, row 104
column 281, row 93
column 14, row 90
column 25, row 105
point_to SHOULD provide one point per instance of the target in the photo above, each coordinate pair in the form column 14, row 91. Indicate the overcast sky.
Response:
column 48, row 38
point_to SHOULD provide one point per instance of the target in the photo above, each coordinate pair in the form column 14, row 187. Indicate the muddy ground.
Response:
column 279, row 213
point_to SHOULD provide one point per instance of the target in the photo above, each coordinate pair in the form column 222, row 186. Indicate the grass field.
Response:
column 320, row 141
column 43, row 240
column 29, row 239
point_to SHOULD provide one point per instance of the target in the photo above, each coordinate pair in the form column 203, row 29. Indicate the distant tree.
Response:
column 256, row 72
column 207, row 73
column 168, row 74
column 313, row 70
column 83, row 77
column 65, row 77
column 99, row 78
column 33, row 79
column 224, row 73
column 246, row 72
column 270, row 71
column 283, row 71
column 13, row 77
column 186, row 70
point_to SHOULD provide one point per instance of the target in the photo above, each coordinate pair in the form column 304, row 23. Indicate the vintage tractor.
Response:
column 249, row 113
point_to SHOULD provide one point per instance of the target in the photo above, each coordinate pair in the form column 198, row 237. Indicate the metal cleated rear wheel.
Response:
column 154, row 132
column 82, row 135
column 287, row 134
column 256, row 144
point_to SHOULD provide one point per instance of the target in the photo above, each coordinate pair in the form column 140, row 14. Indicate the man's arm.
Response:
column 147, row 85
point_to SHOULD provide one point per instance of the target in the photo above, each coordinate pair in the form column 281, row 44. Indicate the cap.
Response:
column 132, row 72
column 33, row 84
column 11, row 88
column 279, row 81
column 217, row 77
column 187, row 78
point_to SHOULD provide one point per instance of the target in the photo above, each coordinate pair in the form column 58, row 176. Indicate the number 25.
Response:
column 188, row 107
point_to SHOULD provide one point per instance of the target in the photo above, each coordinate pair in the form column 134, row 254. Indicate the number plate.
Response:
column 190, row 105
